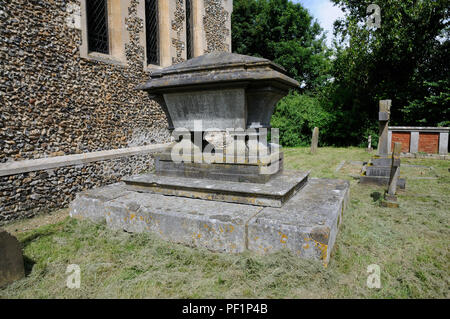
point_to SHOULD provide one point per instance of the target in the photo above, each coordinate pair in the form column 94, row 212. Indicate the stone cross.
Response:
column 315, row 140
column 11, row 259
column 383, row 117
column 389, row 196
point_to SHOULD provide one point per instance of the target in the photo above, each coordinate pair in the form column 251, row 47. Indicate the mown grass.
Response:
column 410, row 244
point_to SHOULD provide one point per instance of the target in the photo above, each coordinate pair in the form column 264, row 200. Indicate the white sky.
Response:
column 325, row 12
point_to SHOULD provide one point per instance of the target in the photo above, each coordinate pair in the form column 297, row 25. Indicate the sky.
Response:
column 324, row 12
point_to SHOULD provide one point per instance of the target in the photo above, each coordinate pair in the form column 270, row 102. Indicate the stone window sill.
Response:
column 151, row 67
column 104, row 58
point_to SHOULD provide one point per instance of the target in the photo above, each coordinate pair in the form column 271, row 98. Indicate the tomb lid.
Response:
column 218, row 67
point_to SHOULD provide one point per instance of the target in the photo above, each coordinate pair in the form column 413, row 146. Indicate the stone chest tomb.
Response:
column 231, row 98
column 221, row 185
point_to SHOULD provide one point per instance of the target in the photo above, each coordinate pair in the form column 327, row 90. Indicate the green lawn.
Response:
column 410, row 244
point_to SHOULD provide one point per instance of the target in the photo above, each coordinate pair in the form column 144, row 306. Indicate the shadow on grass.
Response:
column 28, row 265
column 376, row 196
column 36, row 235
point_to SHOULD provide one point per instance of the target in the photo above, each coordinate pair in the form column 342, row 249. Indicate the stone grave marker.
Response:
column 315, row 140
column 383, row 118
column 378, row 170
column 369, row 144
column 11, row 259
column 390, row 198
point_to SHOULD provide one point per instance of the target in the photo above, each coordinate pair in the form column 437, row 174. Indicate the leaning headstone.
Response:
column 315, row 140
column 378, row 170
column 11, row 259
column 389, row 196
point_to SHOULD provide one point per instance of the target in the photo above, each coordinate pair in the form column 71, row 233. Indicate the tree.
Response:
column 405, row 60
column 285, row 33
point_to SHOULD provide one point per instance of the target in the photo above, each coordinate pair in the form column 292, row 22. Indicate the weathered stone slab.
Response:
column 383, row 117
column 309, row 220
column 251, row 160
column 378, row 170
column 381, row 161
column 90, row 204
column 11, row 259
column 215, row 226
column 381, row 181
column 315, row 140
column 225, row 172
column 245, row 169
column 224, row 90
column 273, row 193
column 443, row 143
column 307, row 225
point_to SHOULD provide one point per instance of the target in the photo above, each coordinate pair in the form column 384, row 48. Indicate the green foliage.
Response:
column 405, row 60
column 296, row 116
column 421, row 110
column 285, row 33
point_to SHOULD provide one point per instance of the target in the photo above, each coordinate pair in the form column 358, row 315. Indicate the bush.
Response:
column 296, row 116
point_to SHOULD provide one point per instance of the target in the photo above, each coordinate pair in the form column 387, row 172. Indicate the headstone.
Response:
column 383, row 117
column 315, row 140
column 378, row 170
column 11, row 259
column 369, row 146
column 389, row 196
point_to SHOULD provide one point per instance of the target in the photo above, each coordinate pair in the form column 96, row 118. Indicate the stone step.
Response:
column 378, row 171
column 274, row 193
column 307, row 225
column 381, row 161
column 257, row 172
column 226, row 159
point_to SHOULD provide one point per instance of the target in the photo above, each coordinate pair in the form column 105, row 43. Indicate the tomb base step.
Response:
column 372, row 170
column 274, row 193
column 245, row 169
column 307, row 225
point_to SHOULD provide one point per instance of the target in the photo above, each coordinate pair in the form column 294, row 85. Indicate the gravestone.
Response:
column 369, row 144
column 378, row 170
column 315, row 140
column 383, row 118
column 11, row 259
column 222, row 185
column 390, row 198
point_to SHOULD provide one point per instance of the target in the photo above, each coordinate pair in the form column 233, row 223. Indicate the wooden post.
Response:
column 315, row 140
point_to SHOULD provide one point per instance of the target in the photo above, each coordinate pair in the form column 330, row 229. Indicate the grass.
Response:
column 410, row 244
